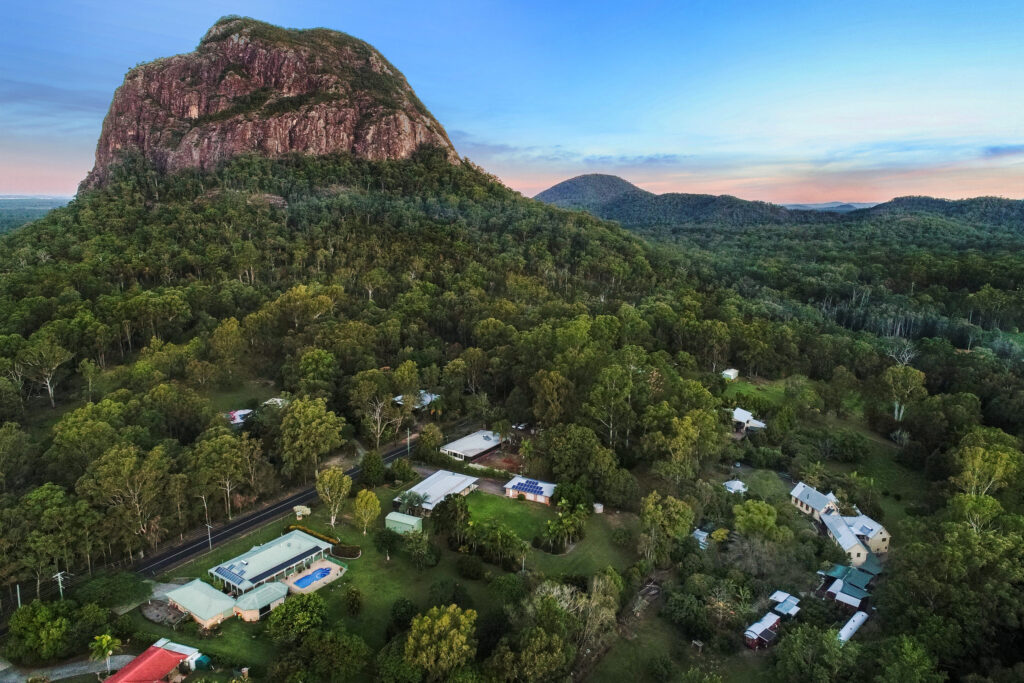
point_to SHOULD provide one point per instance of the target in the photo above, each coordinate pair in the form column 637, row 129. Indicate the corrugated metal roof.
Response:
column 440, row 484
column 202, row 600
column 265, row 560
column 261, row 596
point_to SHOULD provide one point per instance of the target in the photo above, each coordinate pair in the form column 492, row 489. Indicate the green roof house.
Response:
column 258, row 602
column 207, row 605
column 403, row 524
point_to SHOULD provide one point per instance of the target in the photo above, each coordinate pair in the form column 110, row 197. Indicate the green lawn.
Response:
column 768, row 485
column 771, row 391
column 526, row 518
column 241, row 396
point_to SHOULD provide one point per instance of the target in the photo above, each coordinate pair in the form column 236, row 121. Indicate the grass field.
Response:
column 769, row 391
column 631, row 657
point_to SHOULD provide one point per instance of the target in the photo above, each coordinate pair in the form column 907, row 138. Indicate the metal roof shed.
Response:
column 403, row 524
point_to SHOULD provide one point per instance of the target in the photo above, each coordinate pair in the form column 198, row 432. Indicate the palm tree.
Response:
column 102, row 647
column 411, row 500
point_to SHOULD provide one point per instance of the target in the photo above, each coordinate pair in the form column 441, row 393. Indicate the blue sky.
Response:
column 787, row 102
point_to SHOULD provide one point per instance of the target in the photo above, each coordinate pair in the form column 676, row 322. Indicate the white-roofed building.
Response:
column 472, row 445
column 787, row 605
column 702, row 538
column 424, row 399
column 270, row 561
column 812, row 502
column 743, row 421
column 855, row 622
column 735, row 486
column 530, row 489
column 731, row 374
column 438, row 486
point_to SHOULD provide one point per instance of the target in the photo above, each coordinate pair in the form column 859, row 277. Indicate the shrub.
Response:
column 314, row 534
column 622, row 537
column 346, row 552
column 353, row 600
column 470, row 567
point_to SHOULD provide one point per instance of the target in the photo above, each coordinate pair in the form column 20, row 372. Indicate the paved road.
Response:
column 56, row 673
column 157, row 564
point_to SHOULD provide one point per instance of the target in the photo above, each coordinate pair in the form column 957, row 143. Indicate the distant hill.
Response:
column 837, row 207
column 16, row 210
column 613, row 198
column 987, row 210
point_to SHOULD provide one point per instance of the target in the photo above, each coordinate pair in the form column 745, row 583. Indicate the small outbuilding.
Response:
column 702, row 538
column 735, row 486
column 762, row 632
column 204, row 603
column 259, row 602
column 731, row 375
column 851, row 627
column 787, row 605
column 403, row 524
column 530, row 489
column 423, row 399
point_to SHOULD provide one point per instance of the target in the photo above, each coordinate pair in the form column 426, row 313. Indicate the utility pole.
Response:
column 408, row 441
column 18, row 587
column 59, row 577
column 209, row 535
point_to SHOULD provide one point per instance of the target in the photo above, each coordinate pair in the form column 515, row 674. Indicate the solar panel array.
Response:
column 529, row 486
column 229, row 575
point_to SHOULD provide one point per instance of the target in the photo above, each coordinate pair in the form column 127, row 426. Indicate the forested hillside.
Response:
column 346, row 281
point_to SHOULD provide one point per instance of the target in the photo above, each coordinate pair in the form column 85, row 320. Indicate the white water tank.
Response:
column 598, row 508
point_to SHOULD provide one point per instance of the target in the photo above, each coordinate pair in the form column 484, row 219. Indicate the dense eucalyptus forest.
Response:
column 346, row 282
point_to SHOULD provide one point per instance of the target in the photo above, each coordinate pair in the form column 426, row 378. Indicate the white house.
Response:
column 472, row 445
column 743, row 421
column 439, row 485
column 731, row 374
column 858, row 535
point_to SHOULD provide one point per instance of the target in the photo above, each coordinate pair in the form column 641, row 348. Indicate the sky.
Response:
column 799, row 101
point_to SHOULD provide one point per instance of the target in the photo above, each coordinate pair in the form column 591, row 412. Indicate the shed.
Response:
column 743, row 421
column 735, row 486
column 259, row 602
column 731, row 374
column 786, row 603
column 207, row 605
column 855, row 622
column 402, row 524
column 762, row 632
column 702, row 538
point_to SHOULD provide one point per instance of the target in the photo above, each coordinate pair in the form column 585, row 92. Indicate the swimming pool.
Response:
column 312, row 577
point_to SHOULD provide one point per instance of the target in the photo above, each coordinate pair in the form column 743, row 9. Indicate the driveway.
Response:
column 56, row 673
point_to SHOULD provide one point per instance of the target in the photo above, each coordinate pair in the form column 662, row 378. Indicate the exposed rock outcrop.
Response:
column 255, row 88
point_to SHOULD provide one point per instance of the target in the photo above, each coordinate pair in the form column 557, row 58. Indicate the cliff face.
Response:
column 255, row 88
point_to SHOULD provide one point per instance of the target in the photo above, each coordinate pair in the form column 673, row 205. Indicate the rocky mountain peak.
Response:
column 251, row 87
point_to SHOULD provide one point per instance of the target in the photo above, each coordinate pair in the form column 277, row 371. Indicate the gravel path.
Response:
column 55, row 673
